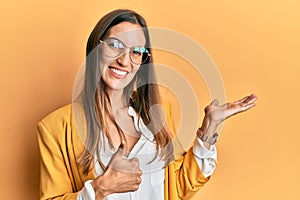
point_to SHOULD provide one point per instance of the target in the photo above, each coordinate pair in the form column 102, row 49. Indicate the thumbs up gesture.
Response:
column 122, row 175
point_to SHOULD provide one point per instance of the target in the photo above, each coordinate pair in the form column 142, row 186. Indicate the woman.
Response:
column 126, row 153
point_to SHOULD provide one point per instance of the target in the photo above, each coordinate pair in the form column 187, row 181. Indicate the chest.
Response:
column 126, row 123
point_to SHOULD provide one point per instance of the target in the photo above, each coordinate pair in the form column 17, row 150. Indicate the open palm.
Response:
column 215, row 113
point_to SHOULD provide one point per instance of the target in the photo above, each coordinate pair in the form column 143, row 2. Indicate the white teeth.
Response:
column 119, row 72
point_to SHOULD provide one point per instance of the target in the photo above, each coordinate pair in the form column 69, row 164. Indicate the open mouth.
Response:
column 118, row 72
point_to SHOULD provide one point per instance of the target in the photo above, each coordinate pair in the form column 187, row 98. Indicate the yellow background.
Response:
column 255, row 44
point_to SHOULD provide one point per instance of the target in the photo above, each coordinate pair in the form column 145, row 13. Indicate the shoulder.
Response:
column 61, row 113
column 56, row 122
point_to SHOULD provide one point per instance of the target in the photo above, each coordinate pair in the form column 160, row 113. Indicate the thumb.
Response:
column 119, row 155
column 122, row 150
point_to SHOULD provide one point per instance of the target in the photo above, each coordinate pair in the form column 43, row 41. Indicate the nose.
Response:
column 124, row 59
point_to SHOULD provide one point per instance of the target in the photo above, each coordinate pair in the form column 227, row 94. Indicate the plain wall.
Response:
column 254, row 43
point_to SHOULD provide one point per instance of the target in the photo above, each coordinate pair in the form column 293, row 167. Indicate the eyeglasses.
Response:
column 113, row 48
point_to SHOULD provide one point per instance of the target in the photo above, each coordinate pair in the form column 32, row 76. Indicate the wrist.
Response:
column 99, row 187
column 209, row 130
column 210, row 139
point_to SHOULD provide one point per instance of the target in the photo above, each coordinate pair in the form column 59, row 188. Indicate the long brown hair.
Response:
column 96, row 104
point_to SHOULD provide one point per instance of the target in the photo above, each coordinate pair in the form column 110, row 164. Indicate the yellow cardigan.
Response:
column 61, row 176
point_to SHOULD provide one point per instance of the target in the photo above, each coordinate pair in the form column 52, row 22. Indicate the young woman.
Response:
column 124, row 152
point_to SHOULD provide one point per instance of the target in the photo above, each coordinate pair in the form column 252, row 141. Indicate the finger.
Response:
column 251, row 99
column 137, row 172
column 215, row 102
column 135, row 161
column 123, row 148
column 248, row 99
column 135, row 165
column 134, row 179
column 242, row 100
column 240, row 109
column 247, row 107
column 123, row 165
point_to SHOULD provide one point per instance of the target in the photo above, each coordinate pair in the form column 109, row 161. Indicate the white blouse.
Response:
column 152, row 185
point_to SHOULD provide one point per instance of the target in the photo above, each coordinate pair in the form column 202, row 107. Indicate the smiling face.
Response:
column 118, row 72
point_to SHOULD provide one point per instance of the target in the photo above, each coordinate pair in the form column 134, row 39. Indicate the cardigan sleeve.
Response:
column 55, row 181
column 183, row 177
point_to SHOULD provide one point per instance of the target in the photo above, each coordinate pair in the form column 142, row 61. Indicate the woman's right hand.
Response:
column 122, row 175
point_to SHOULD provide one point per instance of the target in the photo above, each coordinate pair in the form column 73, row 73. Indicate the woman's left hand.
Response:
column 215, row 114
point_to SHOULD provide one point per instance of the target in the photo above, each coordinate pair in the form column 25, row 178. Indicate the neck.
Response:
column 116, row 98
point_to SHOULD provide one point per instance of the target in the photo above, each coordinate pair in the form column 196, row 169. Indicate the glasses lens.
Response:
column 113, row 47
column 139, row 55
